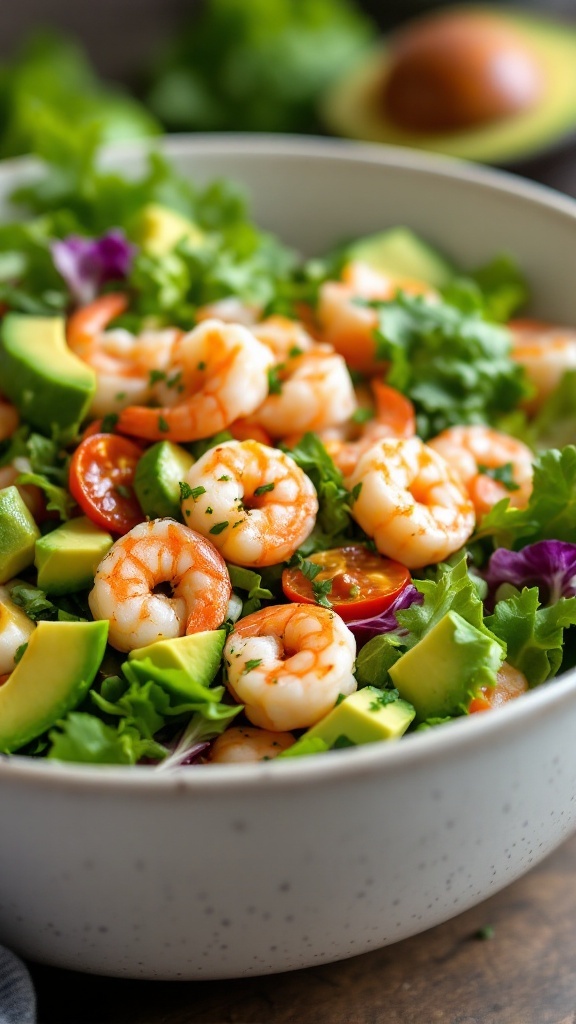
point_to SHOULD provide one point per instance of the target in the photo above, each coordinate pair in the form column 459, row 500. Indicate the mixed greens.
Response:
column 510, row 591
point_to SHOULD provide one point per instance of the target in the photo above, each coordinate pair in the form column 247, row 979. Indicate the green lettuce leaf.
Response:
column 533, row 635
column 333, row 522
column 551, row 511
column 86, row 739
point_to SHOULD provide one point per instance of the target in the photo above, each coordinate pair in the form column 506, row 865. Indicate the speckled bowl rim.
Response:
column 444, row 742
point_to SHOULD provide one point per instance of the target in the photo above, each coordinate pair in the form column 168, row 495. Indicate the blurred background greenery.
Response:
column 136, row 67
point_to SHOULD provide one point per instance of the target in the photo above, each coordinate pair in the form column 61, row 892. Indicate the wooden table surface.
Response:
column 524, row 974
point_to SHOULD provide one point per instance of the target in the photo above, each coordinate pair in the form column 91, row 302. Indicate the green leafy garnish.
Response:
column 333, row 522
column 551, row 510
column 533, row 635
column 455, row 366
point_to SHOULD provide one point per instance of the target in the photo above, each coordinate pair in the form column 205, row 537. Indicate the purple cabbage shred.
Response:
column 386, row 622
column 549, row 565
column 86, row 264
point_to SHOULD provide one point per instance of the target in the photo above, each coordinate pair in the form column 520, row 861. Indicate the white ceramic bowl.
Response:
column 226, row 871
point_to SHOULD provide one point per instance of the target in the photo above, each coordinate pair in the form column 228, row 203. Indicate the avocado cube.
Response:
column 184, row 666
column 18, row 534
column 67, row 558
column 157, row 479
column 158, row 229
column 367, row 716
column 52, row 677
column 398, row 252
column 445, row 669
column 50, row 386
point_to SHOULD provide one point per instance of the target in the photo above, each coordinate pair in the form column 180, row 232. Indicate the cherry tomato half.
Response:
column 363, row 583
column 101, row 480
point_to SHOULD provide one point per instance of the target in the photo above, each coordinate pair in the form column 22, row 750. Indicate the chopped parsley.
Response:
column 109, row 422
column 263, row 489
column 219, row 527
column 321, row 589
column 274, row 381
column 186, row 490
column 156, row 376
column 362, row 415
column 503, row 474
column 163, row 425
column 19, row 653
column 253, row 663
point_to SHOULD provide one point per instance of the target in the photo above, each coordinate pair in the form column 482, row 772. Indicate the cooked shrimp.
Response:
column 9, row 419
column 394, row 416
column 254, row 502
column 350, row 326
column 242, row 744
column 315, row 392
column 411, row 502
column 510, row 683
column 31, row 495
column 130, row 582
column 289, row 663
column 15, row 628
column 230, row 311
column 222, row 373
column 474, row 450
column 284, row 337
column 124, row 364
column 546, row 351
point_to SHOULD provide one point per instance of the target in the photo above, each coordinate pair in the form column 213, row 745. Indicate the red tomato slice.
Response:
column 101, row 480
column 363, row 583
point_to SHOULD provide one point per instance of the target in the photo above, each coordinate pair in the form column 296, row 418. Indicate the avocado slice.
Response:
column 67, row 558
column 158, row 229
column 157, row 479
column 50, row 386
column 446, row 668
column 184, row 666
column 364, row 717
column 52, row 677
column 353, row 107
column 18, row 534
column 400, row 253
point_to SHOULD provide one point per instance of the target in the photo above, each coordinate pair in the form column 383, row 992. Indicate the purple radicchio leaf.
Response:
column 386, row 621
column 549, row 565
column 88, row 263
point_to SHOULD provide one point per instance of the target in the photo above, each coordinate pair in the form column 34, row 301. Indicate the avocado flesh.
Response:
column 182, row 666
column 67, row 558
column 52, row 677
column 358, row 719
column 398, row 252
column 49, row 385
column 157, row 479
column 158, row 229
column 18, row 534
column 350, row 107
column 441, row 674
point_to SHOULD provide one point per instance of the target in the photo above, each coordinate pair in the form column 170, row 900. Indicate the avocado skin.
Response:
column 157, row 479
column 349, row 107
column 51, row 679
column 18, row 534
column 49, row 385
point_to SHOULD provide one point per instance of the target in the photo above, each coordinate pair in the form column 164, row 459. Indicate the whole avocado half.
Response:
column 353, row 106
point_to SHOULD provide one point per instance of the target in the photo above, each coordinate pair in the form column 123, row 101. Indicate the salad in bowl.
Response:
column 255, row 505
